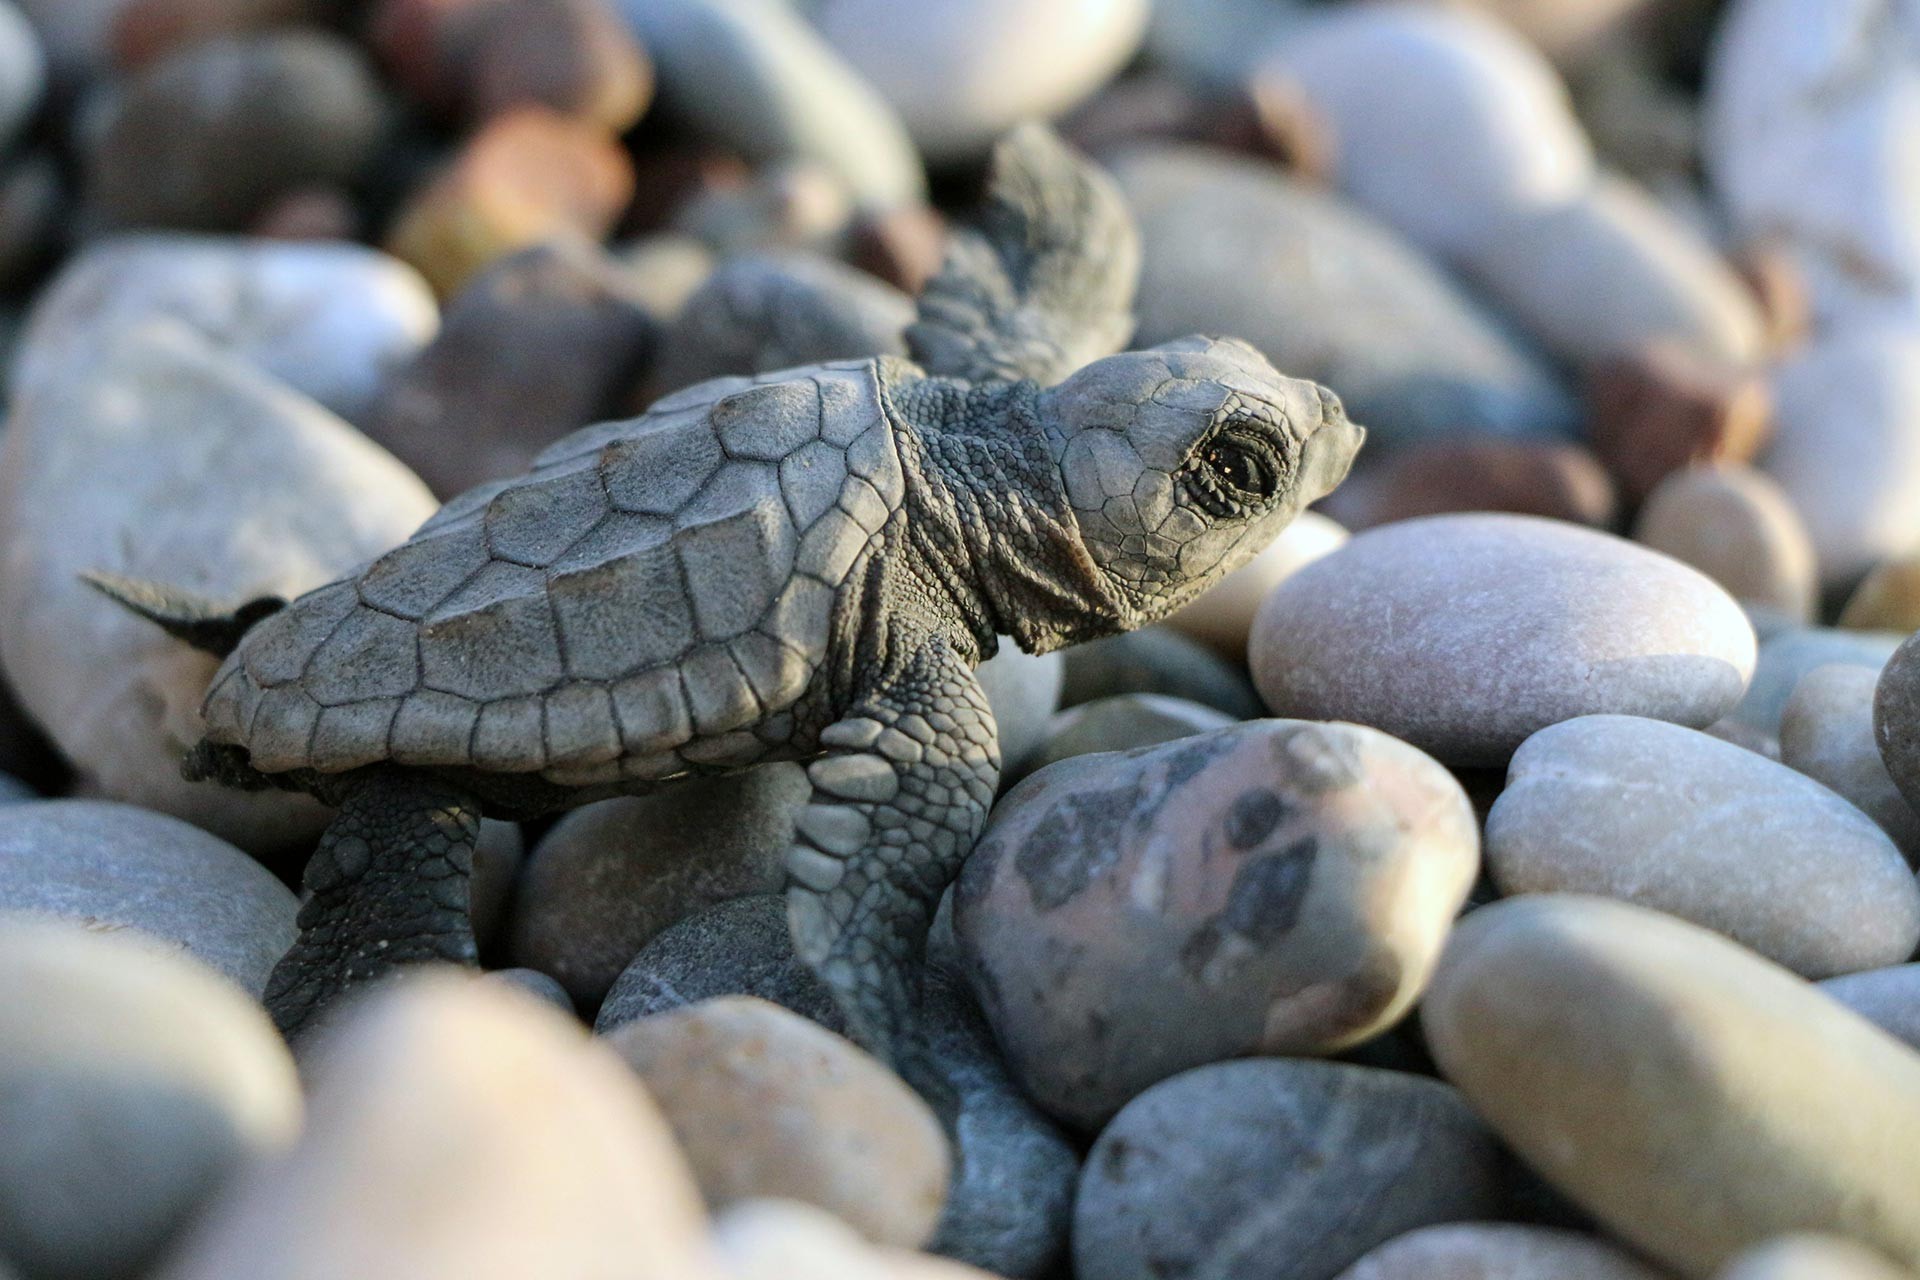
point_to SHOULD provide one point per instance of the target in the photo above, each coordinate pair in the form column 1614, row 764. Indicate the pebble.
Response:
column 1219, row 1171
column 799, row 204
column 109, row 867
column 543, row 342
column 206, row 138
column 1714, row 834
column 1811, row 1257
column 1786, row 658
column 34, row 213
column 1666, row 407
column 23, row 73
column 755, row 77
column 1826, row 732
column 526, row 176
column 761, row 312
column 1735, row 525
column 534, row 983
column 1611, row 271
column 162, row 458
column 1223, row 614
column 1121, row 723
column 458, row 1129
column 1896, row 718
column 1156, row 660
column 1566, row 29
column 1276, row 887
column 963, row 72
column 1887, row 599
column 610, row 876
column 134, row 1084
column 14, row 791
column 330, row 320
column 1498, row 1251
column 1805, row 111
column 1232, row 245
column 766, row 1103
column 1023, row 690
column 142, row 31
column 1463, row 634
column 1480, row 473
column 1847, row 447
column 787, row 1240
column 1446, row 123
column 1889, row 998
column 1623, row 1053
column 664, row 269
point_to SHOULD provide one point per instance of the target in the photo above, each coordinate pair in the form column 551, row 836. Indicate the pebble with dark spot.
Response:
column 1276, row 887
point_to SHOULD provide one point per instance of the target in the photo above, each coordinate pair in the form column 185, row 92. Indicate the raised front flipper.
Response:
column 898, row 800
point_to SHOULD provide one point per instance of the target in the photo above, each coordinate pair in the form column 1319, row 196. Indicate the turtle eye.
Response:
column 1240, row 468
column 1234, row 470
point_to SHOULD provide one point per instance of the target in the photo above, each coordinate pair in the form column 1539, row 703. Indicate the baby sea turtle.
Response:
column 805, row 565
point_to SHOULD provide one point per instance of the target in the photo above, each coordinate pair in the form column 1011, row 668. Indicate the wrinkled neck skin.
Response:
column 988, row 518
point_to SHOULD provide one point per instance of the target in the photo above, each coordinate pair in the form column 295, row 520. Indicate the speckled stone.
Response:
column 1232, row 245
column 766, row 1103
column 1217, row 1172
column 1276, row 887
column 1223, row 614
column 161, row 458
column 1023, row 691
column 1712, row 834
column 1826, row 733
column 1735, row 525
column 109, row 867
column 1889, row 998
column 1811, row 1257
column 134, row 1083
column 1887, row 599
column 1896, row 718
column 1623, row 1053
column 1121, row 723
column 1464, row 634
column 1498, row 1251
column 1789, row 654
column 609, row 877
column 1157, row 660
column 459, row 1129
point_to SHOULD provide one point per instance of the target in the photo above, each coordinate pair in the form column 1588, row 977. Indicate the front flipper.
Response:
column 390, row 888
column 898, row 800
column 205, row 624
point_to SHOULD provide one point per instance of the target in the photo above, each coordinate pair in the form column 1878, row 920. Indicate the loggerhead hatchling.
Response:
column 805, row 565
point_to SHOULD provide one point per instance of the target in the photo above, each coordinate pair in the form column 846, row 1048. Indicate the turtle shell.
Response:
column 651, row 591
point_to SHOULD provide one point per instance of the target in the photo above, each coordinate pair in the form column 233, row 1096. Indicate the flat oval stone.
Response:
column 1896, row 718
column 1498, row 1251
column 459, row 1131
column 766, row 1103
column 1464, row 634
column 1888, row 998
column 1623, row 1053
column 1221, row 616
column 1276, row 887
column 1219, row 1171
column 1735, row 525
column 610, row 876
column 1826, row 733
column 135, row 1083
column 1682, row 822
column 109, row 867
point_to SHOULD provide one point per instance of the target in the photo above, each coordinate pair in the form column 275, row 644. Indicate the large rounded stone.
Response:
column 609, row 877
column 1888, row 998
column 1623, row 1053
column 1826, row 733
column 1277, row 887
column 1445, row 122
column 1464, row 634
column 1896, row 718
column 766, row 1103
column 111, row 866
column 1685, row 823
column 1498, row 1251
column 459, row 1129
column 160, row 458
column 1222, row 615
column 134, row 1083
column 1736, row 526
column 1231, row 245
column 1217, row 1173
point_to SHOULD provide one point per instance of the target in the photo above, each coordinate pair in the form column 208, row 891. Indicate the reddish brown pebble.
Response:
column 1666, row 407
column 528, row 176
column 1558, row 481
column 902, row 246
column 576, row 57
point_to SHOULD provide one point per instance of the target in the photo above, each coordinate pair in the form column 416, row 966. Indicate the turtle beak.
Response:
column 1330, row 450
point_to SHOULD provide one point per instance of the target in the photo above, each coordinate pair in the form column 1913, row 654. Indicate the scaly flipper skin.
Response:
column 898, row 800
column 390, row 887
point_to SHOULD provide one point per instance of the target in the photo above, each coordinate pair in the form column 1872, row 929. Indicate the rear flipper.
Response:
column 205, row 624
column 390, row 888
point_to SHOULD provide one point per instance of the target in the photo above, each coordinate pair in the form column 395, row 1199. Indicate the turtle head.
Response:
column 1182, row 461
